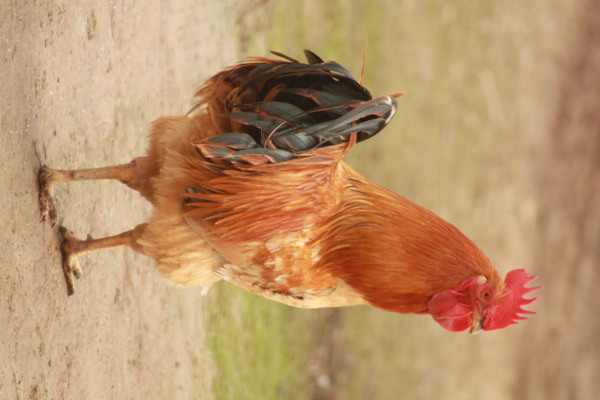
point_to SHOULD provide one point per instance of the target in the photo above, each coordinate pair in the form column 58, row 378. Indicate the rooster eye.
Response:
column 486, row 293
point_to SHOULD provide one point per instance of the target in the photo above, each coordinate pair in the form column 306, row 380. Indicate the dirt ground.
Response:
column 79, row 84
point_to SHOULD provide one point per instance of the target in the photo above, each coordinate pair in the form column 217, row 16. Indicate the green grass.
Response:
column 259, row 346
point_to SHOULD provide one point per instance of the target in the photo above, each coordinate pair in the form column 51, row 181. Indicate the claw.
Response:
column 70, row 264
column 46, row 179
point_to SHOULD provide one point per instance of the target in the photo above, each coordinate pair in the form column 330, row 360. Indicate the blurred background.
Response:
column 499, row 133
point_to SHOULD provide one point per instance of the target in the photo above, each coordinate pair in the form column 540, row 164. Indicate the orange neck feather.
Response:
column 394, row 252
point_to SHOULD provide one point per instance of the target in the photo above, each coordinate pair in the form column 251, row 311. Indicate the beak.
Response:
column 477, row 324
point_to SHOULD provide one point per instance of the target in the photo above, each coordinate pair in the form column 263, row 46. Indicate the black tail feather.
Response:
column 285, row 108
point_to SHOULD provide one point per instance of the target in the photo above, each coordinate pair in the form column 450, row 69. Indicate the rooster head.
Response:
column 474, row 303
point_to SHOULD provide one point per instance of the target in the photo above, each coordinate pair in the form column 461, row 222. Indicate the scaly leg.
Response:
column 49, row 177
column 72, row 247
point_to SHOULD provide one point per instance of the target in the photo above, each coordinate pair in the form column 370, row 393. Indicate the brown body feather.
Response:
column 261, row 216
column 309, row 232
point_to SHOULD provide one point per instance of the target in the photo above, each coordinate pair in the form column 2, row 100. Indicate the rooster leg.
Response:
column 72, row 247
column 49, row 177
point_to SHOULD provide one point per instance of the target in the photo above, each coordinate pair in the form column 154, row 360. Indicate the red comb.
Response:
column 512, row 301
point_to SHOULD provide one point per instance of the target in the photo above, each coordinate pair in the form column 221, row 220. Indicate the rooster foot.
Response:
column 46, row 179
column 70, row 248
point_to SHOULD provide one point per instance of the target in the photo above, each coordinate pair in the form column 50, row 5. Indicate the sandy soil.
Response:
column 79, row 84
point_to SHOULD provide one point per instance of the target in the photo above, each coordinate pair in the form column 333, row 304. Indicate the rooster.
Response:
column 250, row 187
